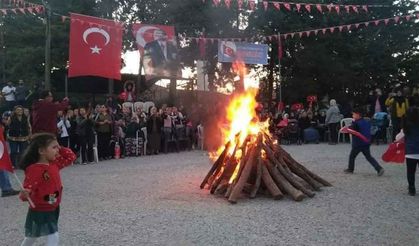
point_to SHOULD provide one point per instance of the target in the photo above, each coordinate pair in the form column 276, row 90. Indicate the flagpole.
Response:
column 279, row 68
column 47, row 45
column 21, row 187
column 66, row 85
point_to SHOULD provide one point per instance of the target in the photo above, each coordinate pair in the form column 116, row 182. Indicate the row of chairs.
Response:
column 145, row 106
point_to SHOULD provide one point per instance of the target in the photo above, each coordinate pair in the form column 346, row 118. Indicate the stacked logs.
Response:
column 263, row 166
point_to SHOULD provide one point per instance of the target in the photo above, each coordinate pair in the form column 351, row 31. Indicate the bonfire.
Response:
column 252, row 162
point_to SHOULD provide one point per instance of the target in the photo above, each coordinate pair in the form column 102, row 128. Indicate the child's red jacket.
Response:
column 44, row 181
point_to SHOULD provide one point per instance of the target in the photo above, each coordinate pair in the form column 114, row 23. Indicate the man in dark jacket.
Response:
column 44, row 113
column 358, row 145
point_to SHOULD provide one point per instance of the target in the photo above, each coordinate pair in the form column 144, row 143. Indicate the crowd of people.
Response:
column 321, row 122
column 117, row 130
column 104, row 126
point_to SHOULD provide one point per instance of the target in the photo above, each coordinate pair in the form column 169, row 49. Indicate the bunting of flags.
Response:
column 293, row 6
column 26, row 10
column 82, row 21
column 21, row 7
column 312, row 32
column 20, row 3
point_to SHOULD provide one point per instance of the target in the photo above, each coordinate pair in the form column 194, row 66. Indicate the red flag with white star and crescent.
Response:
column 5, row 162
column 95, row 47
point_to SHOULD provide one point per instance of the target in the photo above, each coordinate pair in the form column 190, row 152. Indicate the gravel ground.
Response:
column 156, row 200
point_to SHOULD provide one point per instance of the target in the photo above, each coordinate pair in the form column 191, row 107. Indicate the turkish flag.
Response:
column 5, row 162
column 95, row 47
column 228, row 51
column 394, row 153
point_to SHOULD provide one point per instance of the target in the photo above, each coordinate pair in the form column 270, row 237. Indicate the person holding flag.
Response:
column 5, row 166
column 361, row 141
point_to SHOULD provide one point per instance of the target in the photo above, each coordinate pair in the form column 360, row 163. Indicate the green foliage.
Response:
column 342, row 64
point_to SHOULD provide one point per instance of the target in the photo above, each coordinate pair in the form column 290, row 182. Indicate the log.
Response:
column 216, row 165
column 228, row 169
column 256, row 186
column 243, row 160
column 281, row 154
column 270, row 184
column 300, row 173
column 237, row 189
column 288, row 175
column 283, row 183
column 313, row 175
column 222, row 187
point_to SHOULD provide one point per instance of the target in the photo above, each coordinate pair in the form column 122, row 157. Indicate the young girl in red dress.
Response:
column 42, row 162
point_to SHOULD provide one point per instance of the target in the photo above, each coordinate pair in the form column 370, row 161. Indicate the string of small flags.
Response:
column 21, row 7
column 118, row 25
column 25, row 10
column 289, row 6
column 20, row 3
column 308, row 33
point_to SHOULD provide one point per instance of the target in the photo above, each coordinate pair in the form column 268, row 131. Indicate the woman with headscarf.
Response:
column 333, row 118
column 154, row 125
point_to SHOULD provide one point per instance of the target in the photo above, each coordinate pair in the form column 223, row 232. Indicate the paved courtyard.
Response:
column 156, row 200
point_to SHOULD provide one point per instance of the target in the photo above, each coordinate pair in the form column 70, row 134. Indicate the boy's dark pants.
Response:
column 366, row 151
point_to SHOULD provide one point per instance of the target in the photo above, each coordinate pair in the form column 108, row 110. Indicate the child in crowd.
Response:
column 42, row 162
column 63, row 127
column 133, row 147
column 362, row 126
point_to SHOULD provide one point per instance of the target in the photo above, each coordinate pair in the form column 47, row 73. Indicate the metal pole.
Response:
column 279, row 71
column 47, row 45
column 2, row 48
column 66, row 86
column 140, row 83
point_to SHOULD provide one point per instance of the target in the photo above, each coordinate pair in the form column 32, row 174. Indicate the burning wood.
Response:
column 251, row 162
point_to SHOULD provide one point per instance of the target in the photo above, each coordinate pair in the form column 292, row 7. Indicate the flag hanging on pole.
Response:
column 5, row 162
column 95, row 47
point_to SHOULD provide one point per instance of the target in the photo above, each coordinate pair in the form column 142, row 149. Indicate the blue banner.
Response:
column 248, row 53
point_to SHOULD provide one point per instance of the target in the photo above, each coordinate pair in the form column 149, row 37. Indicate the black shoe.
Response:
column 381, row 172
column 349, row 171
column 9, row 193
column 412, row 191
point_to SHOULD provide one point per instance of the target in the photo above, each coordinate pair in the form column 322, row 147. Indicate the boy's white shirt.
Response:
column 64, row 132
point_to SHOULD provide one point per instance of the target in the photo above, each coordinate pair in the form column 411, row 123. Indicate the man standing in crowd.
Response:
column 21, row 93
column 9, row 95
column 398, row 107
column 44, row 113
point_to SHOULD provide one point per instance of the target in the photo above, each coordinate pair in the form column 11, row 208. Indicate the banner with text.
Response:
column 248, row 53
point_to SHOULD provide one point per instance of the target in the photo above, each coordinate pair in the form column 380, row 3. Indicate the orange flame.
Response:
column 241, row 122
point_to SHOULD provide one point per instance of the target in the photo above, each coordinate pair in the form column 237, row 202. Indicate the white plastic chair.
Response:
column 346, row 122
column 147, row 105
column 144, row 129
column 138, row 105
column 200, row 129
column 128, row 105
